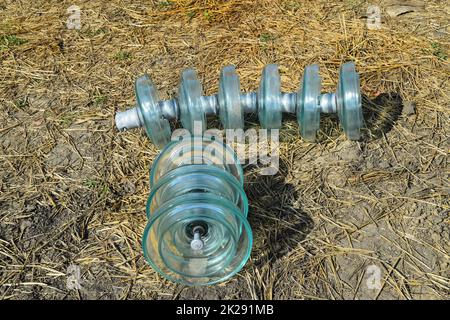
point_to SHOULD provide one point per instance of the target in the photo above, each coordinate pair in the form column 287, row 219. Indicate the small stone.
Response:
column 409, row 108
column 384, row 164
column 337, row 179
column 128, row 187
column 436, row 237
column 437, row 219
column 25, row 224
column 30, row 208
column 349, row 151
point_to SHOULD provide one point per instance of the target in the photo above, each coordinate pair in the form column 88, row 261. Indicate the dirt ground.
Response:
column 337, row 215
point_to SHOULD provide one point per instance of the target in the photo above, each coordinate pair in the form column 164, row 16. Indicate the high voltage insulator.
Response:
column 230, row 104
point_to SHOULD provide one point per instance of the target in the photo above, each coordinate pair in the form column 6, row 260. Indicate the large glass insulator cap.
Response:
column 198, row 233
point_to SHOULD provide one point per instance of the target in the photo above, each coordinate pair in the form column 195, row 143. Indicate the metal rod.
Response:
column 289, row 102
column 129, row 119
column 169, row 108
column 249, row 102
column 327, row 103
column 210, row 104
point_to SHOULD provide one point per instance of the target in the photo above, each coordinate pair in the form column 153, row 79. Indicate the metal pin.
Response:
column 197, row 243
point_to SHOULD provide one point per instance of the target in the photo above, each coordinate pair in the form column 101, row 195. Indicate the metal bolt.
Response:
column 197, row 243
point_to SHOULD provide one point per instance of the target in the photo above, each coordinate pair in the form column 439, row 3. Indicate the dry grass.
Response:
column 73, row 189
